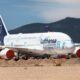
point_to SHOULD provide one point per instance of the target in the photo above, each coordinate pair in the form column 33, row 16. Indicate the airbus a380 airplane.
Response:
column 34, row 44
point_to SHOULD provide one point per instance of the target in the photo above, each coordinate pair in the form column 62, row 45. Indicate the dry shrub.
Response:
column 58, row 62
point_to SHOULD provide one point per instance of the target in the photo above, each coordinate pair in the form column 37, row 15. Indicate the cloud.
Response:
column 47, row 4
column 52, row 12
column 68, row 1
column 59, row 1
column 54, row 15
column 37, row 10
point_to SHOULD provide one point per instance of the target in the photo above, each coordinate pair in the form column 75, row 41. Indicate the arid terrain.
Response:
column 40, row 69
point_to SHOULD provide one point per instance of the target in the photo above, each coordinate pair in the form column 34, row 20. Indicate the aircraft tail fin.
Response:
column 3, row 31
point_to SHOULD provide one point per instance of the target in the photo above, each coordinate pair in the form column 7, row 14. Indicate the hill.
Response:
column 70, row 26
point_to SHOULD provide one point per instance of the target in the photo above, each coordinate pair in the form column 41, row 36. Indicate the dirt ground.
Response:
column 59, row 69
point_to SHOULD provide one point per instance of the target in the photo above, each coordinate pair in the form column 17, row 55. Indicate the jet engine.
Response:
column 77, row 51
column 7, row 53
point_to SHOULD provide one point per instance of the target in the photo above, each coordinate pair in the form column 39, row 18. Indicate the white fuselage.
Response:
column 52, row 42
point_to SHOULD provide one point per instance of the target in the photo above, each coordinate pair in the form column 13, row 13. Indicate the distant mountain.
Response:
column 70, row 26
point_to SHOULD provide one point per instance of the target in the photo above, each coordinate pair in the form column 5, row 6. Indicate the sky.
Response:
column 16, row 13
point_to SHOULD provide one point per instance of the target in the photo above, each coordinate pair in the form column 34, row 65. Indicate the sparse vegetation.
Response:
column 37, row 64
column 57, row 62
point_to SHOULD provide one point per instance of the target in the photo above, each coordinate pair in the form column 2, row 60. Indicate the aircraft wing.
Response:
column 77, row 44
column 24, row 50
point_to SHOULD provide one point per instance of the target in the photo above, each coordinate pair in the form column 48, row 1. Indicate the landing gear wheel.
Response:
column 25, row 58
column 16, row 59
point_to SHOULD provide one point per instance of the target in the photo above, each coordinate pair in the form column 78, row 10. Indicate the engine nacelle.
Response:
column 77, row 51
column 7, row 54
